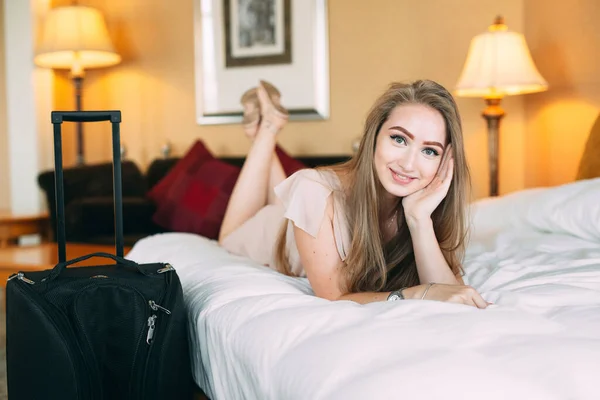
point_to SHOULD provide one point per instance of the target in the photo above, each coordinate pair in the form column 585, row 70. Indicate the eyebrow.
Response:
column 412, row 137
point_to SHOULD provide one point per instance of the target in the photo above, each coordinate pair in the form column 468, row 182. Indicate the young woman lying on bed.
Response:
column 387, row 225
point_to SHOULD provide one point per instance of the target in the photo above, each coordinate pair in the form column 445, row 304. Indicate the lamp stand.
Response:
column 78, row 82
column 493, row 114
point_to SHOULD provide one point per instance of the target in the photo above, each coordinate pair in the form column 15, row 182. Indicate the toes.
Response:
column 263, row 98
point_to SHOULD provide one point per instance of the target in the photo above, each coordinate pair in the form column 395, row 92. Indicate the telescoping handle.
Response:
column 58, row 117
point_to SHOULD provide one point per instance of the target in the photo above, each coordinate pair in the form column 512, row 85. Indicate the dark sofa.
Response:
column 89, row 207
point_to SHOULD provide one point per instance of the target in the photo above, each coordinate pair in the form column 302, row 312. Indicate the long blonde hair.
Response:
column 373, row 265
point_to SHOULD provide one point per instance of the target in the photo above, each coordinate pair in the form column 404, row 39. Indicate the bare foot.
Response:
column 272, row 118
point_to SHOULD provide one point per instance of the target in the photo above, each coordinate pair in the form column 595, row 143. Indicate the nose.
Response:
column 407, row 160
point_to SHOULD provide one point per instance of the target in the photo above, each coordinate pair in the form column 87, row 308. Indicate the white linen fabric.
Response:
column 257, row 334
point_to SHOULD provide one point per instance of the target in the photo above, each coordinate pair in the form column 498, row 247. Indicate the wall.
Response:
column 564, row 39
column 26, row 90
column 371, row 44
column 4, row 173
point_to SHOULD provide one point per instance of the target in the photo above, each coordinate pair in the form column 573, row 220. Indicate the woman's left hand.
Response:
column 419, row 205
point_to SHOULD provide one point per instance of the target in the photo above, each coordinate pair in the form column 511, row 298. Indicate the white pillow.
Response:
column 572, row 208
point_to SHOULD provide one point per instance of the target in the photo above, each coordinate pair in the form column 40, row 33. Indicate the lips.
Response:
column 401, row 178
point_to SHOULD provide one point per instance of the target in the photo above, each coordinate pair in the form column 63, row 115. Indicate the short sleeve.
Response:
column 304, row 196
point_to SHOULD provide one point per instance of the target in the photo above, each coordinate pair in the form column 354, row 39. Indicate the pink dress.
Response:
column 304, row 199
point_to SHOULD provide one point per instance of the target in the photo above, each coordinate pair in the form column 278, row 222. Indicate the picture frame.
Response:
column 257, row 32
column 303, row 82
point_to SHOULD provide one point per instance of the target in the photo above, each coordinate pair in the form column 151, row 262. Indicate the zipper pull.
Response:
column 21, row 277
column 151, row 328
column 166, row 268
column 155, row 307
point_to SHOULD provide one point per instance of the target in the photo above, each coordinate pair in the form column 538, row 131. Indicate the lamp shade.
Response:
column 499, row 64
column 75, row 37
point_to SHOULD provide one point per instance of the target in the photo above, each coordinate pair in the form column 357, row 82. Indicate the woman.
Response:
column 389, row 224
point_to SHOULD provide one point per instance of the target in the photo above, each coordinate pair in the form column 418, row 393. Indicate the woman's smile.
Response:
column 401, row 178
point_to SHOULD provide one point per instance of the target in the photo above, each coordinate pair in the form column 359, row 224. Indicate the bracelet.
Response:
column 427, row 289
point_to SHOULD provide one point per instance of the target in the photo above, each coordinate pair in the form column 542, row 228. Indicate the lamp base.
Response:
column 493, row 114
column 78, row 83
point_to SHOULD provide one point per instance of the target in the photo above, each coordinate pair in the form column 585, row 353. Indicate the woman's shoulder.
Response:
column 304, row 196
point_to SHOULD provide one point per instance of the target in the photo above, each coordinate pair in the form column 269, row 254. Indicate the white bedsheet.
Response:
column 257, row 334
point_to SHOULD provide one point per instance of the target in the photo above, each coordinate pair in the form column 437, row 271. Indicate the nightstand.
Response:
column 13, row 226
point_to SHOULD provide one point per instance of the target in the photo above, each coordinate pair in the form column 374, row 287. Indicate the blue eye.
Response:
column 430, row 152
column 398, row 139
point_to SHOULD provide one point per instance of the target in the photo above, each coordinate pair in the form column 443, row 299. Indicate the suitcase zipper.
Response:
column 152, row 320
column 166, row 268
column 21, row 276
column 155, row 307
column 151, row 328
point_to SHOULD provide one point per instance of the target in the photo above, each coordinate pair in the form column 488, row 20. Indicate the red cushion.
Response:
column 193, row 196
column 197, row 155
column 197, row 200
column 289, row 164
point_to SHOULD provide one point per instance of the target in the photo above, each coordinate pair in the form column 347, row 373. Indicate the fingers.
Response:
column 447, row 179
column 469, row 296
column 446, row 171
column 444, row 159
column 460, row 294
column 473, row 298
column 479, row 301
column 447, row 161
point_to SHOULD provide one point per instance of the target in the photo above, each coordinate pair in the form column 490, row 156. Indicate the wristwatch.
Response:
column 396, row 295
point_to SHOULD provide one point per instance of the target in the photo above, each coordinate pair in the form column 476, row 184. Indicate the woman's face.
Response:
column 409, row 149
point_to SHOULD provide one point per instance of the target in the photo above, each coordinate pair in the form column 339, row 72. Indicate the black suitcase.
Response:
column 114, row 331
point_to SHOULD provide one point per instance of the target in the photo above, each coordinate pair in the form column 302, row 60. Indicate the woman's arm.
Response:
column 459, row 294
column 320, row 258
column 431, row 264
column 323, row 266
column 418, row 207
column 370, row 297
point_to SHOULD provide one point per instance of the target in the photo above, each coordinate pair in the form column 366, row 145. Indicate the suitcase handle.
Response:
column 60, row 267
column 58, row 117
column 85, row 116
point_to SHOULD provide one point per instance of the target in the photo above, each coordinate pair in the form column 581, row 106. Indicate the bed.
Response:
column 535, row 254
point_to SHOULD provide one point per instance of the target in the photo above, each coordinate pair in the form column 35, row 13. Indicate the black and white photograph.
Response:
column 257, row 32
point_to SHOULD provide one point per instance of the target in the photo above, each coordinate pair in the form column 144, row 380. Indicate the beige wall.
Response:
column 564, row 38
column 371, row 44
column 4, row 173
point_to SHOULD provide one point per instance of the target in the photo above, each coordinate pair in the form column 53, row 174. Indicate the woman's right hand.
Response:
column 460, row 294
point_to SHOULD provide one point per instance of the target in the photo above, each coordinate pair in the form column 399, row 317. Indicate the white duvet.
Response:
column 257, row 334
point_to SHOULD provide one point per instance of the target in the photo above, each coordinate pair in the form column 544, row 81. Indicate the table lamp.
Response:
column 76, row 38
column 498, row 64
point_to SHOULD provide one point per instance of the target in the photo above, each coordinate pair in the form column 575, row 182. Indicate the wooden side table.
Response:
column 13, row 226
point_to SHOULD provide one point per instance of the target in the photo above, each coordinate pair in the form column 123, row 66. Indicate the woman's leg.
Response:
column 276, row 176
column 252, row 189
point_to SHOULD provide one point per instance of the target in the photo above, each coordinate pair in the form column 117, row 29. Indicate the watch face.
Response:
column 394, row 297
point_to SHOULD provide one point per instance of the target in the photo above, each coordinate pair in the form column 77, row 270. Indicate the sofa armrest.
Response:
column 94, row 216
column 91, row 181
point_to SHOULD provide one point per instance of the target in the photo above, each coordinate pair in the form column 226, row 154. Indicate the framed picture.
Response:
column 240, row 42
column 257, row 32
